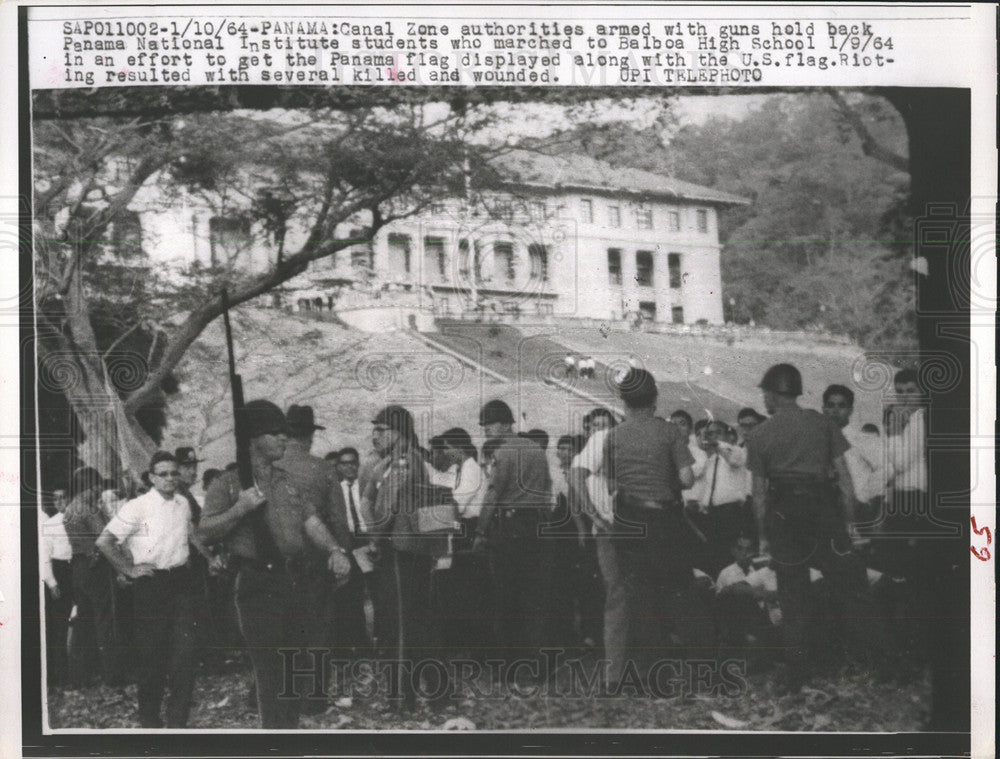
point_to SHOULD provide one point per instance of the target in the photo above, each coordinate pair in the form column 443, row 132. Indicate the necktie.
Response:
column 715, row 472
column 354, row 509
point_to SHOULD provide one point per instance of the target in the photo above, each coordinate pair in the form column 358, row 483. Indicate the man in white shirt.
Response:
column 350, row 626
column 864, row 457
column 743, row 595
column 907, row 515
column 683, row 419
column 721, row 499
column 55, row 553
column 148, row 541
column 588, row 478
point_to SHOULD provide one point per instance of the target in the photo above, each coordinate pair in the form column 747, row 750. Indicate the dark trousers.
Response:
column 590, row 591
column 416, row 629
column 805, row 530
column 277, row 609
column 564, row 555
column 464, row 597
column 738, row 614
column 522, row 571
column 659, row 584
column 57, row 611
column 95, row 634
column 166, row 605
column 346, row 610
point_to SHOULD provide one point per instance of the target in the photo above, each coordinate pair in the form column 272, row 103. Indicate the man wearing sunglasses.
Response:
column 148, row 542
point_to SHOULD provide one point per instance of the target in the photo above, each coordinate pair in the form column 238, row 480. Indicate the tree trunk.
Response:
column 938, row 123
column 109, row 440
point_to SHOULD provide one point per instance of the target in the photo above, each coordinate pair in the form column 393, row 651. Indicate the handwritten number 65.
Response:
column 983, row 554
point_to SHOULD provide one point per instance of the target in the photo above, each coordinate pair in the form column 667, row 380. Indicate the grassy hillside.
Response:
column 346, row 376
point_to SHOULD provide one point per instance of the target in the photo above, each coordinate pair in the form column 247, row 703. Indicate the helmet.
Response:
column 784, row 379
column 496, row 411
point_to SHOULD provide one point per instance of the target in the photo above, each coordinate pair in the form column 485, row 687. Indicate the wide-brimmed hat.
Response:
column 301, row 420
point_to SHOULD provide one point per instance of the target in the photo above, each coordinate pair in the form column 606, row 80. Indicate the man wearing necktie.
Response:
column 721, row 516
column 349, row 599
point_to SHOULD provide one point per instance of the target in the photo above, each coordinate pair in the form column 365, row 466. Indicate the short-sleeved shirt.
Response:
column 154, row 529
column 84, row 521
column 286, row 511
column 795, row 442
column 645, row 456
column 521, row 477
column 319, row 476
column 592, row 459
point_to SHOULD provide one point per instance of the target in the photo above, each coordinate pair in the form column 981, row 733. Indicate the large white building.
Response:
column 565, row 236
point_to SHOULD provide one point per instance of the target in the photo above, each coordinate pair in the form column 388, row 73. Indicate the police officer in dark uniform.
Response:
column 266, row 529
column 803, row 502
column 649, row 463
column 515, row 507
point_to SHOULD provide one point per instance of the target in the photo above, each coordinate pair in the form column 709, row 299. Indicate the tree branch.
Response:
column 869, row 145
column 120, row 338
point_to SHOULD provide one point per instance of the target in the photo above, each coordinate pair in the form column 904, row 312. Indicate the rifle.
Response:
column 243, row 466
column 267, row 549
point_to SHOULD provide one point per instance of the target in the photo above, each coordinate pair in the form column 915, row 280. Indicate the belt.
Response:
column 648, row 504
column 799, row 480
column 275, row 565
column 519, row 511
column 172, row 570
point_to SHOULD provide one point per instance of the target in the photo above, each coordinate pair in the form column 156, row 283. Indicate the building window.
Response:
column 545, row 309
column 538, row 210
column 644, row 268
column 587, row 211
column 674, row 270
column 503, row 261
column 361, row 251
column 677, row 314
column 644, row 218
column 614, row 216
column 464, row 264
column 399, row 253
column 434, row 257
column 443, row 306
column 228, row 237
column 614, row 266
column 538, row 256
column 437, row 208
column 647, row 310
column 702, row 217
column 674, row 219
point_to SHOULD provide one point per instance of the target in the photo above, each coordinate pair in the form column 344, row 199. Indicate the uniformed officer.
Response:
column 515, row 505
column 649, row 462
column 803, row 503
column 393, row 497
column 266, row 529
column 336, row 601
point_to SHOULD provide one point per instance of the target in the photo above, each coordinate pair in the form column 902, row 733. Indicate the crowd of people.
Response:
column 781, row 540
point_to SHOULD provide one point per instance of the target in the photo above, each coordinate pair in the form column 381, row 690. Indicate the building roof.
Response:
column 579, row 172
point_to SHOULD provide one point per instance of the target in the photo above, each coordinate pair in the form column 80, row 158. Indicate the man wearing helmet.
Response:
column 803, row 502
column 517, row 498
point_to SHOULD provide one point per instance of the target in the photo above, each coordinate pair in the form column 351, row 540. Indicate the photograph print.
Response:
column 374, row 409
